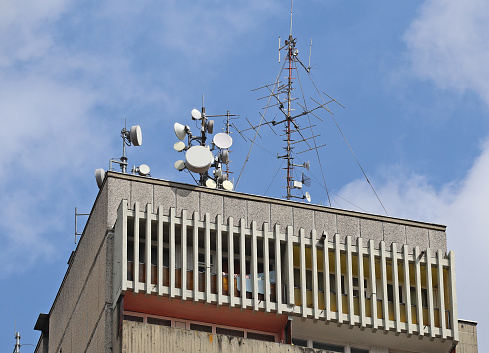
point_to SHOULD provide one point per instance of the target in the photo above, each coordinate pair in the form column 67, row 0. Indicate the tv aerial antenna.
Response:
column 295, row 135
column 200, row 156
column 132, row 137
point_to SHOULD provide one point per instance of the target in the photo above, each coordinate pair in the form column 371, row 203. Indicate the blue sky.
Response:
column 412, row 75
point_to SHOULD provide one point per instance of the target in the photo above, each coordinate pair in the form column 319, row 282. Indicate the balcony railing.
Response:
column 278, row 271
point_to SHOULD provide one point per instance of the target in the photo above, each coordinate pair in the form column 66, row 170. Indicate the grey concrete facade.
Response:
column 468, row 337
column 271, row 211
column 82, row 316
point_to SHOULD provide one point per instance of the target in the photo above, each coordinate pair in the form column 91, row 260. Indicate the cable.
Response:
column 344, row 137
column 258, row 129
column 314, row 140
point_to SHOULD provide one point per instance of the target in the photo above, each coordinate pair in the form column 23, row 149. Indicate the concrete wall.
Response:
column 139, row 337
column 265, row 209
column 79, row 316
column 468, row 337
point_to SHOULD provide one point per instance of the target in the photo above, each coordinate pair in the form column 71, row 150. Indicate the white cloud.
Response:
column 449, row 44
column 462, row 206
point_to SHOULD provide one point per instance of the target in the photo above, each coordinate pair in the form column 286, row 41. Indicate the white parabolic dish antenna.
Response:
column 198, row 159
column 196, row 115
column 308, row 196
column 180, row 131
column 227, row 185
column 136, row 135
column 179, row 146
column 222, row 140
column 180, row 165
column 99, row 176
column 210, row 183
column 143, row 169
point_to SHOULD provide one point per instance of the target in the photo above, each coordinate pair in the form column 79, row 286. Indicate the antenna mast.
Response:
column 289, row 120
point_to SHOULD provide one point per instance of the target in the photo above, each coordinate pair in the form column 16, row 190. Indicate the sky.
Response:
column 412, row 76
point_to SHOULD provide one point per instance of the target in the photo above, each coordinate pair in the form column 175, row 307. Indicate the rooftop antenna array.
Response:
column 281, row 95
column 200, row 156
column 132, row 137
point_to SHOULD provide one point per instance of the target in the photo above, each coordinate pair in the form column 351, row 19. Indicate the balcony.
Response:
column 272, row 269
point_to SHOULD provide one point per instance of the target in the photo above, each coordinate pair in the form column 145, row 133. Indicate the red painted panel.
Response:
column 201, row 312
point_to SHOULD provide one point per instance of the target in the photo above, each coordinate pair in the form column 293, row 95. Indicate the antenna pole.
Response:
column 289, row 119
column 17, row 343
column 291, row 6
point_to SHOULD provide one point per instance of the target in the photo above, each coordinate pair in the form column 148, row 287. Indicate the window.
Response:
column 261, row 337
column 133, row 318
column 358, row 350
column 327, row 346
column 160, row 322
column 198, row 327
column 356, row 287
column 299, row 342
column 229, row 332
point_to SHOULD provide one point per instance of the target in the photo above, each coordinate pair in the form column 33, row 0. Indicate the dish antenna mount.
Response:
column 200, row 156
column 132, row 137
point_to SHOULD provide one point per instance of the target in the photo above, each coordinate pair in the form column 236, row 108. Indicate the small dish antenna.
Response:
column 210, row 126
column 198, row 159
column 180, row 165
column 227, row 185
column 143, row 170
column 210, row 184
column 136, row 135
column 196, row 114
column 99, row 176
column 179, row 146
column 225, row 156
column 307, row 196
column 180, row 131
column 222, row 140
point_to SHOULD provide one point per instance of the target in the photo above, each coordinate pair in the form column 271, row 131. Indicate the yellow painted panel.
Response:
column 446, row 287
column 414, row 314
column 366, row 266
column 321, row 300
column 390, row 306
column 379, row 309
column 403, row 312
column 368, row 308
column 297, row 251
column 356, row 306
column 320, row 260
column 426, row 320
column 297, row 297
column 437, row 317
column 309, row 299
column 332, row 302
column 344, row 300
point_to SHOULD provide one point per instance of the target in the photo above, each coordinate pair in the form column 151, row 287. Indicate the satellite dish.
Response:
column 180, row 131
column 196, row 115
column 210, row 184
column 198, row 159
column 210, row 126
column 227, row 185
column 307, row 196
column 180, row 165
column 99, row 176
column 225, row 156
column 218, row 172
column 136, row 135
column 306, row 165
column 222, row 140
column 179, row 146
column 143, row 170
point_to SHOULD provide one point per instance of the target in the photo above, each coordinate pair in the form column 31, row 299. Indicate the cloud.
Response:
column 448, row 43
column 460, row 205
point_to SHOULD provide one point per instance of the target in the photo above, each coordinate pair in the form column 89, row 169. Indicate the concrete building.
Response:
column 169, row 267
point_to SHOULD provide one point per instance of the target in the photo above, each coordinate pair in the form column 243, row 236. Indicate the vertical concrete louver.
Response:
column 290, row 273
